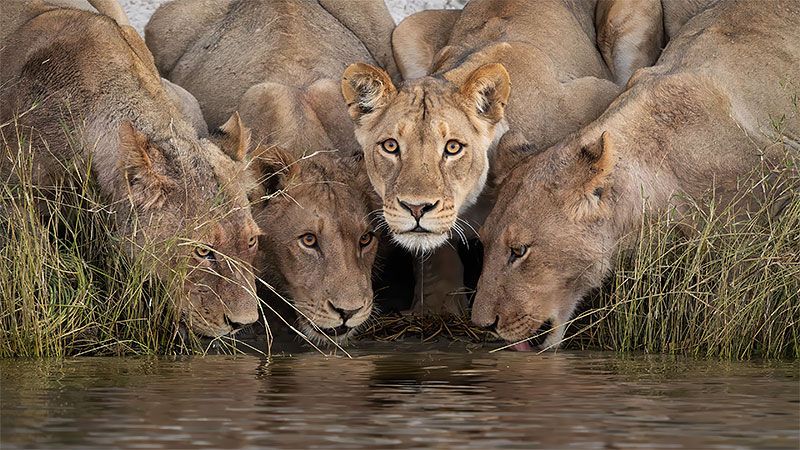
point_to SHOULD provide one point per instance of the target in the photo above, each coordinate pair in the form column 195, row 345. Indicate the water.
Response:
column 400, row 396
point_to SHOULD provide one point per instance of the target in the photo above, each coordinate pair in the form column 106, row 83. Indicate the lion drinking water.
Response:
column 280, row 62
column 75, row 77
column 698, row 121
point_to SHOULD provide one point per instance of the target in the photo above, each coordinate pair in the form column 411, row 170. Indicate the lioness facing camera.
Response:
column 699, row 120
column 471, row 76
column 67, row 67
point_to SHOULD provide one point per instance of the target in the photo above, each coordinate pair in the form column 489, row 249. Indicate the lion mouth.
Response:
column 420, row 241
column 320, row 336
column 341, row 330
column 535, row 341
column 524, row 346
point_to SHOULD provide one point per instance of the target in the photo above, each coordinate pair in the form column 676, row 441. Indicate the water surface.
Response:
column 400, row 396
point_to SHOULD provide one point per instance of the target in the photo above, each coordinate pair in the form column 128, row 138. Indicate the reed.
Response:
column 716, row 283
column 67, row 284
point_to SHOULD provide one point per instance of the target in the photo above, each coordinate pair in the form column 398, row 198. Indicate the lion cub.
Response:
column 73, row 69
column 278, row 63
column 696, row 122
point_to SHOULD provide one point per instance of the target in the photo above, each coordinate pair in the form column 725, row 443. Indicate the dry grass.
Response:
column 67, row 284
column 726, row 286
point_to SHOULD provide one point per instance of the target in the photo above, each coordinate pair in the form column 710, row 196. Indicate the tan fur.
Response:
column 699, row 120
column 285, row 56
column 329, row 196
column 631, row 33
column 418, row 38
column 678, row 12
column 65, row 68
column 504, row 66
column 239, row 44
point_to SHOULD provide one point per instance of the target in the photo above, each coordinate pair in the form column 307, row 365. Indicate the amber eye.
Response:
column 203, row 252
column 517, row 253
column 365, row 239
column 252, row 242
column 390, row 146
column 309, row 240
column 453, row 147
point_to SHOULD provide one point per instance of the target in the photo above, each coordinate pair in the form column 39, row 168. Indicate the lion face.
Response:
column 204, row 214
column 547, row 241
column 426, row 146
column 319, row 245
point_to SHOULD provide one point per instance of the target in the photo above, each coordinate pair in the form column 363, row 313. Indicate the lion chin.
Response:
column 316, row 337
column 419, row 243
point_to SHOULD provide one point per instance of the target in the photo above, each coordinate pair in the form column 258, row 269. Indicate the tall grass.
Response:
column 67, row 285
column 68, row 282
column 716, row 283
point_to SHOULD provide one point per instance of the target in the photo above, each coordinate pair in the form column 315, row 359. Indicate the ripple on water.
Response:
column 399, row 396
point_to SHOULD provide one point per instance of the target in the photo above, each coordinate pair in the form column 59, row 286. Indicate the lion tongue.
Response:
column 523, row 346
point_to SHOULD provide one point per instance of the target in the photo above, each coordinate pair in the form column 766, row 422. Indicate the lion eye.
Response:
column 390, row 146
column 453, row 147
column 203, row 252
column 309, row 240
column 365, row 239
column 517, row 253
column 252, row 242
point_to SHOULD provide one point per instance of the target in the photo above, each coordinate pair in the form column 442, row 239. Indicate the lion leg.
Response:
column 113, row 9
column 419, row 37
column 439, row 283
column 630, row 34
column 176, row 25
column 372, row 24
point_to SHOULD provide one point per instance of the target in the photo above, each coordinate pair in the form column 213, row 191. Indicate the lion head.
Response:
column 548, row 241
column 192, row 195
column 319, row 244
column 426, row 146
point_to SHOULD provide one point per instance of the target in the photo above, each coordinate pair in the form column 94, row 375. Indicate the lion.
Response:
column 73, row 69
column 287, row 90
column 319, row 245
column 287, row 43
column 697, row 121
column 429, row 141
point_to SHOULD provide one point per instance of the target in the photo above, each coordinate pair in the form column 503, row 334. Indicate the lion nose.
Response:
column 418, row 209
column 493, row 326
column 346, row 314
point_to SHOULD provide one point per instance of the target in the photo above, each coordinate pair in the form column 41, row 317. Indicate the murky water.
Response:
column 400, row 396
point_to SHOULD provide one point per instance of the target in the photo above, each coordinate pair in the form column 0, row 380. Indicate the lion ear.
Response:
column 234, row 138
column 275, row 168
column 511, row 150
column 486, row 91
column 134, row 146
column 365, row 89
column 145, row 184
column 599, row 160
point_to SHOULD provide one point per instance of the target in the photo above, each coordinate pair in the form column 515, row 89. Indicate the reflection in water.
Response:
column 388, row 396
